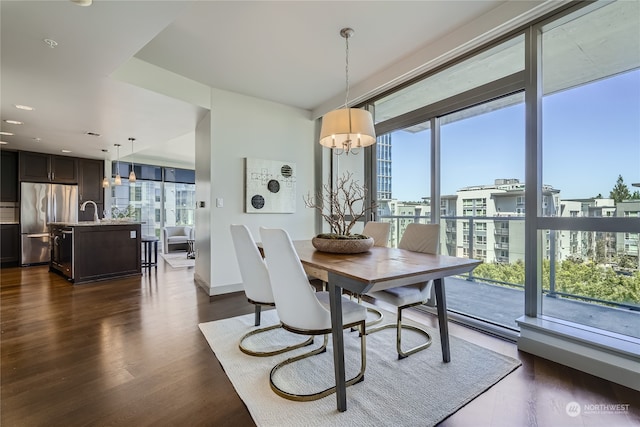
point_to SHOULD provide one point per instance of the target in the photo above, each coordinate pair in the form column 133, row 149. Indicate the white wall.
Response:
column 241, row 127
column 202, row 273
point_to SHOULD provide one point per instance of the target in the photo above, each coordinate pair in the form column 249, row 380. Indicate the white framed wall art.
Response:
column 270, row 186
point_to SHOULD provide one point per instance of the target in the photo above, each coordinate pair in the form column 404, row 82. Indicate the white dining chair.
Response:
column 417, row 238
column 257, row 288
column 303, row 311
column 379, row 231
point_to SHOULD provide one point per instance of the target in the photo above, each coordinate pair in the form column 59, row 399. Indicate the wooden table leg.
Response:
column 335, row 301
column 442, row 319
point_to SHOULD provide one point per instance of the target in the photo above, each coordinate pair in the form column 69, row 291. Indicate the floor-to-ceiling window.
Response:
column 458, row 159
column 571, row 235
column 404, row 178
column 482, row 164
column 159, row 197
column 180, row 203
column 590, row 66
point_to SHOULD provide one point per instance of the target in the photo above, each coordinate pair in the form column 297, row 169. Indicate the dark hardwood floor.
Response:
column 128, row 352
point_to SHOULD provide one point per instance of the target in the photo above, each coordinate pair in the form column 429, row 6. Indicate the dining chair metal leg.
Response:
column 257, row 320
column 245, row 350
column 319, row 395
column 398, row 326
column 257, row 315
column 374, row 311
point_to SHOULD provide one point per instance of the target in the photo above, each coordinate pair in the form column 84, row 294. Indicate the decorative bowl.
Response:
column 342, row 246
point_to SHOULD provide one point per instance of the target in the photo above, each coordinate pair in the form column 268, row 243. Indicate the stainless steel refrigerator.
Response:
column 41, row 204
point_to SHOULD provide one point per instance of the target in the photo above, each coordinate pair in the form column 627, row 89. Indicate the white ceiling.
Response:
column 288, row 52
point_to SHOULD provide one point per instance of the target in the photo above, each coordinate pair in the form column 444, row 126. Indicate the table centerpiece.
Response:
column 341, row 207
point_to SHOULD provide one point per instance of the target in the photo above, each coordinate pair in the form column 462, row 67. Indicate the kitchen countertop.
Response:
column 94, row 224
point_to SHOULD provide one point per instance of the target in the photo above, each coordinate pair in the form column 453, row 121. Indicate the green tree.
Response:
column 620, row 191
column 587, row 279
column 635, row 195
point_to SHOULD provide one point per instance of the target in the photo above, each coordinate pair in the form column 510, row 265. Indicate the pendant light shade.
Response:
column 347, row 129
column 132, row 174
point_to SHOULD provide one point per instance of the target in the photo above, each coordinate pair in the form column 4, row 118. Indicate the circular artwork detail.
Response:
column 286, row 171
column 273, row 186
column 257, row 201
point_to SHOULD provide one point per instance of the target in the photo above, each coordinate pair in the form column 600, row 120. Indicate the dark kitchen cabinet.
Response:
column 9, row 247
column 90, row 174
column 9, row 177
column 39, row 167
column 105, row 251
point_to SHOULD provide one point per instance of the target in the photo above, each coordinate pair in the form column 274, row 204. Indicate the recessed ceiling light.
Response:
column 24, row 107
column 3, row 142
column 82, row 2
column 37, row 139
column 51, row 43
column 66, row 151
column 14, row 122
column 6, row 133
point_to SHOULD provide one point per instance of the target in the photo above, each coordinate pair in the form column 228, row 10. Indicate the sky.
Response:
column 591, row 134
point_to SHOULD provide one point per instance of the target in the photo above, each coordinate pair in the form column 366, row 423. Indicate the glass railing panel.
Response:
column 594, row 283
column 494, row 291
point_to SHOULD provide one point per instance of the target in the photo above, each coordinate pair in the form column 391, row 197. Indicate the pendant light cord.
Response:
column 346, row 70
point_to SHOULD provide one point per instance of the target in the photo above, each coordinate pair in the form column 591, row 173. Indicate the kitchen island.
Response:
column 90, row 251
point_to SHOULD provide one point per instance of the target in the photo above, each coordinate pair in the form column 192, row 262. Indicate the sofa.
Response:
column 175, row 237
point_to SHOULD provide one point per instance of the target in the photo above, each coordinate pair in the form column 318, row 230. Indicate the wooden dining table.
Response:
column 378, row 269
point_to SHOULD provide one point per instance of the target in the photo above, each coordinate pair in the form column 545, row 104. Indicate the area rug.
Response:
column 419, row 390
column 178, row 260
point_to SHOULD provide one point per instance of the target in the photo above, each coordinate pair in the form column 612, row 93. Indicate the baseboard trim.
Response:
column 217, row 290
column 226, row 289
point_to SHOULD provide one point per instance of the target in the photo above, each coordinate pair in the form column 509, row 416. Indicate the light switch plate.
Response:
column 219, row 202
column 132, row 234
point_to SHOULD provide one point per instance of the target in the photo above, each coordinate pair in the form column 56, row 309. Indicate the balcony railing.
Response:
column 465, row 245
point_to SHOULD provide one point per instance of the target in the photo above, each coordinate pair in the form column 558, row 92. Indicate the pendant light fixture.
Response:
column 132, row 174
column 118, row 180
column 348, row 129
column 105, row 180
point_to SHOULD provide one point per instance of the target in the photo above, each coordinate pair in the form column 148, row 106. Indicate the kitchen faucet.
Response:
column 95, row 210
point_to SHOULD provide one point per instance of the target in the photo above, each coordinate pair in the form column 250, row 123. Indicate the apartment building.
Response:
column 487, row 222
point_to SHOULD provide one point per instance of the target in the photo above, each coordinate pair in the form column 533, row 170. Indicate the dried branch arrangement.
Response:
column 338, row 206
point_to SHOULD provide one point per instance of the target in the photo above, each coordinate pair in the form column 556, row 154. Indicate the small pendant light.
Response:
column 132, row 174
column 118, row 180
column 105, row 180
